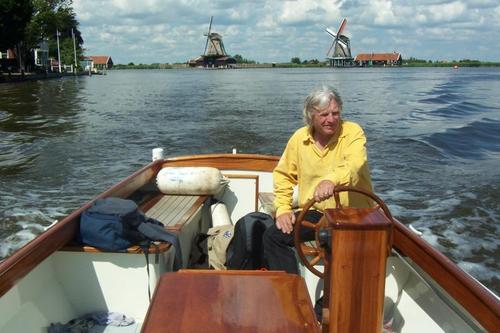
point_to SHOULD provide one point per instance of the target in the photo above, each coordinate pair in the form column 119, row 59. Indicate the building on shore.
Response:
column 101, row 62
column 96, row 64
column 8, row 61
column 378, row 59
column 41, row 55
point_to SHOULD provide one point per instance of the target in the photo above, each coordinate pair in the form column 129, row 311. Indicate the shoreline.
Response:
column 26, row 77
column 289, row 65
column 18, row 77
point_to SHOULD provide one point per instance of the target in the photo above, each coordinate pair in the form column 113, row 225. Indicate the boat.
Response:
column 53, row 278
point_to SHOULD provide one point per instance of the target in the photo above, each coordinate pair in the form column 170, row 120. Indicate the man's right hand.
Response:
column 285, row 222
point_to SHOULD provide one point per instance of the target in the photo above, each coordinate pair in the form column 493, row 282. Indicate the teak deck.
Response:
column 230, row 301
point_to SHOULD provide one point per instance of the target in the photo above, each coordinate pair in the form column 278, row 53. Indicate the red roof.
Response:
column 100, row 60
column 378, row 57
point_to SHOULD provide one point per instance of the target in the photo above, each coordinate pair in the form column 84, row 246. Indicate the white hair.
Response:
column 319, row 99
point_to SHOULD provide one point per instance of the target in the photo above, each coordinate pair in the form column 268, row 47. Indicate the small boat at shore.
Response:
column 54, row 279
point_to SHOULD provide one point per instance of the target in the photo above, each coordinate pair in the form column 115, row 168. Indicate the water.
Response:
column 433, row 141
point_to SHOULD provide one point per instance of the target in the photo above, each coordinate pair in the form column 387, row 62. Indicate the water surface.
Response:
column 433, row 141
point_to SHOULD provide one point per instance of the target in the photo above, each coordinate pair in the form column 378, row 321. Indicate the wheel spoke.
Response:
column 308, row 224
column 316, row 259
column 304, row 251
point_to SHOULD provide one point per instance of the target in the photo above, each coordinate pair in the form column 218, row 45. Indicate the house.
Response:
column 8, row 61
column 87, row 64
column 41, row 54
column 101, row 62
column 378, row 59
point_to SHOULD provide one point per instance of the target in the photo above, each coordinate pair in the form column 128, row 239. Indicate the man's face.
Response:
column 326, row 122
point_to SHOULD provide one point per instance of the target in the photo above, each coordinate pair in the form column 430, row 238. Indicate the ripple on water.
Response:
column 472, row 141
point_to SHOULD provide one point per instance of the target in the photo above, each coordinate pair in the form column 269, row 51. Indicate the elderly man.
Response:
column 327, row 152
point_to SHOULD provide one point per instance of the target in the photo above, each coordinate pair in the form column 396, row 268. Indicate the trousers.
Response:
column 278, row 247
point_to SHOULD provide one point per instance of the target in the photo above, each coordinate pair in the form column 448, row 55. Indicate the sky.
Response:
column 171, row 31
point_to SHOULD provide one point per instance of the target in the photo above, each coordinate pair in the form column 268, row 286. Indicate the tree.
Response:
column 14, row 17
column 50, row 16
column 240, row 60
column 295, row 60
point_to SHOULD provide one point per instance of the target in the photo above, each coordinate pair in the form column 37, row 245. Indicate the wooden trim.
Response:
column 21, row 262
column 230, row 272
column 247, row 162
column 153, row 249
column 254, row 177
column 468, row 292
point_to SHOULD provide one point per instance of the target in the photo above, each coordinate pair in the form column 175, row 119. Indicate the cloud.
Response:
column 384, row 14
column 447, row 12
column 150, row 31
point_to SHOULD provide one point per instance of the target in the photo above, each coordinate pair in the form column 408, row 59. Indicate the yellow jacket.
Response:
column 343, row 161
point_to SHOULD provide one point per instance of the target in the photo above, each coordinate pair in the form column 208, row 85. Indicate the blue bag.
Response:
column 114, row 224
column 107, row 224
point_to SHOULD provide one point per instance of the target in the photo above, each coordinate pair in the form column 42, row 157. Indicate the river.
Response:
column 433, row 141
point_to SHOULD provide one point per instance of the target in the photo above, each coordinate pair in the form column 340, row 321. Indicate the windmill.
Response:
column 214, row 54
column 214, row 45
column 339, row 52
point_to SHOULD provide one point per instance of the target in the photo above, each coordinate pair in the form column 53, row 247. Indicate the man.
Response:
column 327, row 152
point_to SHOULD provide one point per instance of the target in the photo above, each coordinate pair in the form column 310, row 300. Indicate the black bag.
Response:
column 246, row 250
column 114, row 224
column 199, row 252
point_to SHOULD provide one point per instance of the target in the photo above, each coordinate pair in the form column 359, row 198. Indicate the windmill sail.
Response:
column 208, row 34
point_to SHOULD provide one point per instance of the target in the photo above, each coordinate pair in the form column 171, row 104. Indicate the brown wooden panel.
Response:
column 21, row 262
column 232, row 301
column 227, row 161
column 475, row 298
column 357, row 278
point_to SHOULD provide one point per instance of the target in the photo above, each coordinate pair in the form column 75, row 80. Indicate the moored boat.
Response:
column 54, row 279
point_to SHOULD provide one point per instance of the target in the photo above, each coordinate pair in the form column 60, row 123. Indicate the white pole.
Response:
column 74, row 48
column 58, row 51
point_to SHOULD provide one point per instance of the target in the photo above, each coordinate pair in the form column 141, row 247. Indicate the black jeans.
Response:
column 278, row 251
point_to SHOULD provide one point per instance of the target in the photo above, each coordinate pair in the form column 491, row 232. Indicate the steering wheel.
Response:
column 316, row 251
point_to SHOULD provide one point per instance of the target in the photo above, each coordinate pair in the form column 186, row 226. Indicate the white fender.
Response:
column 220, row 216
column 190, row 180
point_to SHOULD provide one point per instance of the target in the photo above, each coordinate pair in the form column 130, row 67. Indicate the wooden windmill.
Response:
column 339, row 52
column 214, row 45
column 214, row 54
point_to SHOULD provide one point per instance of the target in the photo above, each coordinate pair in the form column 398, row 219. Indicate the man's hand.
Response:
column 285, row 222
column 324, row 190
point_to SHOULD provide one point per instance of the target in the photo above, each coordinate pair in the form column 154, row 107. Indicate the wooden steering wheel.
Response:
column 317, row 252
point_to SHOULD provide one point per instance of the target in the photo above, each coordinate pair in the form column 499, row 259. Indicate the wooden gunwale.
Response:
column 248, row 162
column 468, row 292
